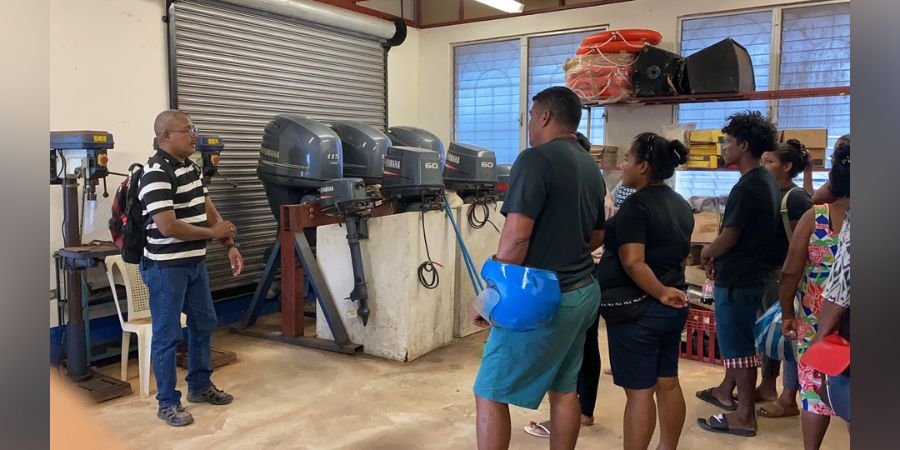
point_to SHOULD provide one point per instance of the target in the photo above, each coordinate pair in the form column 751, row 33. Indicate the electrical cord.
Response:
column 427, row 267
column 474, row 221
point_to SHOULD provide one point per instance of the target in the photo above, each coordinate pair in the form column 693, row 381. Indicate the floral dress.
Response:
column 823, row 245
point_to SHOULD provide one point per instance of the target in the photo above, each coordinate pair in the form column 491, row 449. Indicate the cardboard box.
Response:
column 812, row 138
column 695, row 275
column 703, row 161
column 706, row 137
column 706, row 227
column 705, row 150
column 817, row 157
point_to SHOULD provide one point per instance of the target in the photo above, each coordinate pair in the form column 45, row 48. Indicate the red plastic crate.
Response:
column 700, row 344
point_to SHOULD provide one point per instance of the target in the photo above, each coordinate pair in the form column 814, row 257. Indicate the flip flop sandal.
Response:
column 718, row 424
column 773, row 410
column 757, row 400
column 707, row 396
column 541, row 430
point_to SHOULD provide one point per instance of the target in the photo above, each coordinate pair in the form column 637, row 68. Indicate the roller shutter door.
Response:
column 234, row 69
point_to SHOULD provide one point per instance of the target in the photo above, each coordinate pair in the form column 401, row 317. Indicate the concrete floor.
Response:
column 293, row 397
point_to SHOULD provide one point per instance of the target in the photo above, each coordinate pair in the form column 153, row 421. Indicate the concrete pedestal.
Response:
column 406, row 320
column 481, row 244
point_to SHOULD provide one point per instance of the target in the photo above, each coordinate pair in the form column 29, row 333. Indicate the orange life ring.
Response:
column 635, row 36
column 612, row 47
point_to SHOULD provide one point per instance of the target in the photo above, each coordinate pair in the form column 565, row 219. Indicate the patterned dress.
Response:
column 823, row 245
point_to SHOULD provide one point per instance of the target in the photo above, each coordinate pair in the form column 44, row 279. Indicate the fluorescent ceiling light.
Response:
column 509, row 6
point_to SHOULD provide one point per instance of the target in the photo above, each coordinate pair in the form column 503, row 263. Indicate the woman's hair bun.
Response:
column 679, row 152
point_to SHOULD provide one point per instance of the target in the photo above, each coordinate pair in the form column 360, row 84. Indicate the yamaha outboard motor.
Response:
column 412, row 179
column 298, row 154
column 503, row 173
column 416, row 137
column 471, row 171
column 364, row 147
column 347, row 197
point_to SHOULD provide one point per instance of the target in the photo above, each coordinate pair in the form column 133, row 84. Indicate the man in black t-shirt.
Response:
column 740, row 256
column 554, row 219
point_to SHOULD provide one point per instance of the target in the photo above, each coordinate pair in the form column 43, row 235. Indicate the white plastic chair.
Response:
column 139, row 323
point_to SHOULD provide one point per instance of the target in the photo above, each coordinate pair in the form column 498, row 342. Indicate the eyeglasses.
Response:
column 190, row 130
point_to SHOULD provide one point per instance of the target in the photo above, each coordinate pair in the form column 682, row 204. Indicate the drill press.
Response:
column 74, row 156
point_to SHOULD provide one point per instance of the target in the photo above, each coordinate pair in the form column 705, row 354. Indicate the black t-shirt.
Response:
column 558, row 185
column 798, row 203
column 662, row 220
column 752, row 207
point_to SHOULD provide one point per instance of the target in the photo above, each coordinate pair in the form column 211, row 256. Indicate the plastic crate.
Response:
column 698, row 342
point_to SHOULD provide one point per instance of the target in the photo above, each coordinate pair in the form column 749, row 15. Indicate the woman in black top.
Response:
column 643, row 300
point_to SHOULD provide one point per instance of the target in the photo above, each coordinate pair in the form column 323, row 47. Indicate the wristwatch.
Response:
column 232, row 245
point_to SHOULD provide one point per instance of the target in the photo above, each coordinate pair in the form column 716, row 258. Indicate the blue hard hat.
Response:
column 518, row 298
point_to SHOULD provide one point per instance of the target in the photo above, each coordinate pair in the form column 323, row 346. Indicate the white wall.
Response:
column 107, row 72
column 436, row 56
column 403, row 81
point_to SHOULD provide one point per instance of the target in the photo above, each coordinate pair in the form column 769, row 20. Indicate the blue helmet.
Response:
column 518, row 298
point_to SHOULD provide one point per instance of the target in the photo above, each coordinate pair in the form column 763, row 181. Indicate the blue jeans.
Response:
column 173, row 290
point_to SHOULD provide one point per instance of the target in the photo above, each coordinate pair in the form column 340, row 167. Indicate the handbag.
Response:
column 830, row 355
column 769, row 339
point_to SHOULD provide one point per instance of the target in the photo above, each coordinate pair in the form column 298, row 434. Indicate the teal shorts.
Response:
column 518, row 368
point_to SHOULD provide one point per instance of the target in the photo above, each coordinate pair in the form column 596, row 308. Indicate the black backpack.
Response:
column 127, row 222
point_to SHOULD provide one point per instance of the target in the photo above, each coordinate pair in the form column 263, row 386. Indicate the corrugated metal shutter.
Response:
column 235, row 69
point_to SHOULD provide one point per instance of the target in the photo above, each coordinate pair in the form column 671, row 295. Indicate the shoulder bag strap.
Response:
column 785, row 219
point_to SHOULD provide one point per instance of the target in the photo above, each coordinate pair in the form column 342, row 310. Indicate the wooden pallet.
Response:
column 218, row 358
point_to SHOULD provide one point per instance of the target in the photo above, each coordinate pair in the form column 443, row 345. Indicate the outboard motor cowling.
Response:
column 470, row 170
column 416, row 137
column 298, row 154
column 412, row 178
column 503, row 174
column 363, row 148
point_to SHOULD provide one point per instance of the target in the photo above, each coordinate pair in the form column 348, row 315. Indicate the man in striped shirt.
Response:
column 179, row 218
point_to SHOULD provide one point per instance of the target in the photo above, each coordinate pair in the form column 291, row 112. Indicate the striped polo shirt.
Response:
column 170, row 185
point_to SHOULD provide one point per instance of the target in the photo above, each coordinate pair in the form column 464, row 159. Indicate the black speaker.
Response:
column 657, row 72
column 724, row 67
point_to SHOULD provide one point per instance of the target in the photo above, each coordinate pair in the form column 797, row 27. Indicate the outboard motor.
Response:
column 503, row 173
column 416, row 137
column 347, row 197
column 298, row 155
column 412, row 179
column 471, row 171
column 364, row 147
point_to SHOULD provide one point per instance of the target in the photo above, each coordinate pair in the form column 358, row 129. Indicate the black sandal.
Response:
column 707, row 396
column 718, row 424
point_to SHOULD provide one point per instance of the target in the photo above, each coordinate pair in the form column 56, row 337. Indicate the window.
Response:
column 814, row 49
column 487, row 97
column 815, row 52
column 490, row 104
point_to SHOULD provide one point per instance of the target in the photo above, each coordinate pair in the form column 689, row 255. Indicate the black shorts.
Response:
column 647, row 348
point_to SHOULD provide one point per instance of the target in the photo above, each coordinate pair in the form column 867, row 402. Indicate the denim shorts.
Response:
column 519, row 368
column 736, row 311
column 642, row 350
